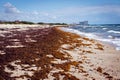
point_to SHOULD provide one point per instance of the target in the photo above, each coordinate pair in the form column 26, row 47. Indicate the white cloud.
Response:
column 71, row 14
column 54, row 17
column 89, row 10
column 46, row 14
column 35, row 13
column 49, row 15
column 9, row 8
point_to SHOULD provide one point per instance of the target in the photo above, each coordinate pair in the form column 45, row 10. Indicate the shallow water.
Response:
column 107, row 33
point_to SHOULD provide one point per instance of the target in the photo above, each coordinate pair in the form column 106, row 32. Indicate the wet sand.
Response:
column 49, row 53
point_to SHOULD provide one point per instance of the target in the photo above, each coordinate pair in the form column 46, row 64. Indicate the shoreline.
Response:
column 91, row 36
column 51, row 53
column 106, row 60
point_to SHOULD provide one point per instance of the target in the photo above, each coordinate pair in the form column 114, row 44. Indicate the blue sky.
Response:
column 68, row 11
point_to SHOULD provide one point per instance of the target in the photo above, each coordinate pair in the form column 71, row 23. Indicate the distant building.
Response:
column 83, row 23
column 17, row 21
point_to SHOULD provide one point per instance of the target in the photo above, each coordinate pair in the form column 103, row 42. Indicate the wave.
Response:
column 104, row 28
column 118, row 26
column 112, row 31
column 111, row 40
column 111, row 37
column 89, row 35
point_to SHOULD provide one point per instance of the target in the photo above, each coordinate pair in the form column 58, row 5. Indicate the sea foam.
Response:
column 89, row 35
column 112, row 31
column 114, row 41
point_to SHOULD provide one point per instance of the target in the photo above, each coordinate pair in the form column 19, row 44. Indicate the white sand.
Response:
column 21, row 70
column 108, row 60
column 59, row 61
column 15, row 45
column 22, row 26
column 2, row 52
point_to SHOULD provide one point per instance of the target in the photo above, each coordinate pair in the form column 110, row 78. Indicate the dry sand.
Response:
column 106, row 62
column 52, row 54
column 22, row 26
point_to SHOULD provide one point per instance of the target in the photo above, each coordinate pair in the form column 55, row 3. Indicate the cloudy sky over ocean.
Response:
column 69, row 11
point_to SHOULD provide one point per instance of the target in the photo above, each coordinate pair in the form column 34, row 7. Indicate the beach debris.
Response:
column 99, row 69
column 47, row 54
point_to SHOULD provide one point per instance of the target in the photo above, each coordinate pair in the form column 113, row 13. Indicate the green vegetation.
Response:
column 16, row 22
column 28, row 22
column 52, row 23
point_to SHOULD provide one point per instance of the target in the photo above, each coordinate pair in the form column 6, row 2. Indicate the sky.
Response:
column 62, row 11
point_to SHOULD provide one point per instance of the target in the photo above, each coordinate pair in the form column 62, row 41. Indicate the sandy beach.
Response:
column 43, row 52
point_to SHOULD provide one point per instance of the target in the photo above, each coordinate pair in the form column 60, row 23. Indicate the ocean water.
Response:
column 107, row 33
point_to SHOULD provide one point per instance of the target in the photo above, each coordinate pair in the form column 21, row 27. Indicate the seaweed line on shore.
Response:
column 49, row 54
